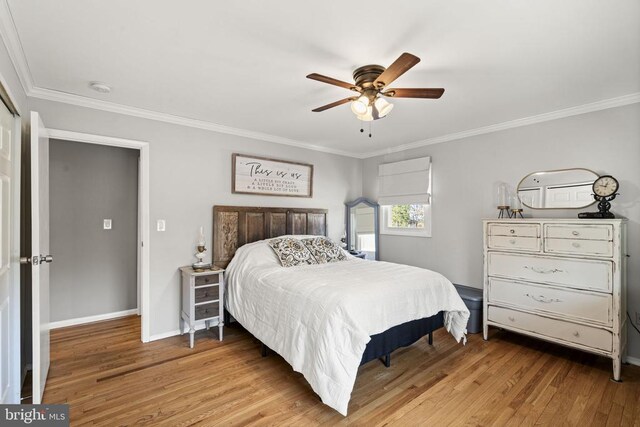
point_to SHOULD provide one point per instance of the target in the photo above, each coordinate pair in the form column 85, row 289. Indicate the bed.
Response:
column 325, row 320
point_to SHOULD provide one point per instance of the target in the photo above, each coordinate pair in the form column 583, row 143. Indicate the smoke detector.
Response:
column 100, row 87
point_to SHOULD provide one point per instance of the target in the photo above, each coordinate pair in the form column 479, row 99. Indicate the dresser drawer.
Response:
column 571, row 231
column 206, row 311
column 574, row 273
column 580, row 305
column 207, row 280
column 520, row 230
column 208, row 293
column 566, row 331
column 513, row 242
column 579, row 247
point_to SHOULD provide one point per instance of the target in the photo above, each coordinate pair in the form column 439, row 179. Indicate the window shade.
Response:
column 405, row 182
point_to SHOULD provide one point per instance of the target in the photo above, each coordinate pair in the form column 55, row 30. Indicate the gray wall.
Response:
column 465, row 174
column 190, row 173
column 95, row 270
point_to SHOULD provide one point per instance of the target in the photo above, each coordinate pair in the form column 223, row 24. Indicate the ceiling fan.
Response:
column 371, row 83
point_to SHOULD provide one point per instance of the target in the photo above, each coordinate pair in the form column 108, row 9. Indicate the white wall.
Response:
column 190, row 173
column 465, row 173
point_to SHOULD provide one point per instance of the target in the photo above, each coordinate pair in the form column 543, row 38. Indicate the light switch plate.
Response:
column 106, row 224
column 162, row 226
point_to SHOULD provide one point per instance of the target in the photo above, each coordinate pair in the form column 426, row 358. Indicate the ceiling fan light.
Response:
column 368, row 116
column 383, row 107
column 360, row 105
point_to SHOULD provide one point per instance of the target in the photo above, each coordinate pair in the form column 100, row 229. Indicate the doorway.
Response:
column 143, row 245
column 93, row 203
column 39, row 184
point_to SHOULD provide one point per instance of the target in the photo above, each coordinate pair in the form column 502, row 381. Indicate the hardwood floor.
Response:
column 110, row 378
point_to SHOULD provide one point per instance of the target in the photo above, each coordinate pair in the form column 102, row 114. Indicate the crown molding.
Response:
column 553, row 115
column 11, row 39
column 96, row 104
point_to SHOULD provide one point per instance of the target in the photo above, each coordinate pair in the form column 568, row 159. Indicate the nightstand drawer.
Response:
column 513, row 242
column 206, row 311
column 208, row 293
column 579, row 247
column 521, row 230
column 570, row 231
column 209, row 279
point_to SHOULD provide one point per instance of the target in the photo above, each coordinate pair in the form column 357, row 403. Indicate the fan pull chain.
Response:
column 369, row 129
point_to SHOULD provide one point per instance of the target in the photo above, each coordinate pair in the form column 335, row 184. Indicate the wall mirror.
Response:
column 557, row 189
column 362, row 228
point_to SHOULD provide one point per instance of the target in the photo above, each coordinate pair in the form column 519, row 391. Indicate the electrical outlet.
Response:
column 106, row 224
column 161, row 226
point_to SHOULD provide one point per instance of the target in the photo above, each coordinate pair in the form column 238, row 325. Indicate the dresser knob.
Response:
column 575, row 244
column 512, row 241
column 575, row 233
column 513, row 319
column 576, row 334
column 512, row 231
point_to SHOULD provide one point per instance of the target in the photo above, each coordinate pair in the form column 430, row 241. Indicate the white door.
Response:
column 9, row 269
column 40, row 257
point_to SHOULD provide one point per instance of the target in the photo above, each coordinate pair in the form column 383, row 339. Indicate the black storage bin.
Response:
column 472, row 298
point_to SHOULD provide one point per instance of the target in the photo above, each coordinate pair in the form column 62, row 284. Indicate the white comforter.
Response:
column 319, row 318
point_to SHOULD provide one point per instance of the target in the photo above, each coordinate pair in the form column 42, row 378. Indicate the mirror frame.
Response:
column 376, row 222
column 554, row 170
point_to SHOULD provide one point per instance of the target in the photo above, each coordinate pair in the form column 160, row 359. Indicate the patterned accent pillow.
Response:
column 291, row 252
column 324, row 250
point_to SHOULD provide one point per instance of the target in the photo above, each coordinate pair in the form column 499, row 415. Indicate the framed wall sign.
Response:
column 272, row 177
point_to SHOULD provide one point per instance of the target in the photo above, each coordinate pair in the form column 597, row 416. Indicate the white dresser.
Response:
column 562, row 280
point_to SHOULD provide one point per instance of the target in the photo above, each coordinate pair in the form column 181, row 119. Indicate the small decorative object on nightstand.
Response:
column 200, row 265
column 202, row 299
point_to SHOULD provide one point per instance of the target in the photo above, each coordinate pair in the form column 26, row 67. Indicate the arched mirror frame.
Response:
column 376, row 222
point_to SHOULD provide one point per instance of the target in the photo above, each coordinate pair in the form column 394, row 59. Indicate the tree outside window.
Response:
column 407, row 216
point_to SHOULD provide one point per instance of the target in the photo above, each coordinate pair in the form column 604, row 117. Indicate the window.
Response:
column 405, row 196
column 407, row 220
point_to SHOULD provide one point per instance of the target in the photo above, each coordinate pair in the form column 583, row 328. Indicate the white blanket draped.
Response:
column 319, row 318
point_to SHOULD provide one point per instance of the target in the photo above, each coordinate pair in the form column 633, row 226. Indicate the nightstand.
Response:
column 202, row 300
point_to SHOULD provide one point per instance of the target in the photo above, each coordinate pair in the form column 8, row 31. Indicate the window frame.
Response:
column 409, row 231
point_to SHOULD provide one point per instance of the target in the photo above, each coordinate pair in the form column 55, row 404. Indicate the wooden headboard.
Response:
column 234, row 226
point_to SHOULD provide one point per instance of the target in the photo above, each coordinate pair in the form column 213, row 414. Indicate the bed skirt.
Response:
column 384, row 343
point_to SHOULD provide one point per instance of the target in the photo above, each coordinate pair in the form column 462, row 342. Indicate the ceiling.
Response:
column 240, row 67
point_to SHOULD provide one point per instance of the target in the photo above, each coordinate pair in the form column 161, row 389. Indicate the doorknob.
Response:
column 36, row 260
column 27, row 260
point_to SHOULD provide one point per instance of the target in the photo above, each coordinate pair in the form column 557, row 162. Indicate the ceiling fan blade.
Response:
column 333, row 104
column 415, row 93
column 332, row 81
column 401, row 65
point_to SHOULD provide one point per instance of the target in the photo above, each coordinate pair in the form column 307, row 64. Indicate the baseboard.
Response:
column 633, row 360
column 175, row 332
column 91, row 319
